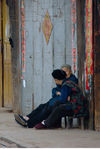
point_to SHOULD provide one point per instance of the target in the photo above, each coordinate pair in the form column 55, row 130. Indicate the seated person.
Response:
column 69, row 75
column 44, row 110
column 77, row 106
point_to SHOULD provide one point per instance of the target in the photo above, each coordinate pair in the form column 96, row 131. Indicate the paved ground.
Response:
column 13, row 135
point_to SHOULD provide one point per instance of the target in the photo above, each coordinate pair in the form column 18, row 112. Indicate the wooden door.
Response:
column 6, row 90
column 0, row 59
column 48, row 45
column 97, row 62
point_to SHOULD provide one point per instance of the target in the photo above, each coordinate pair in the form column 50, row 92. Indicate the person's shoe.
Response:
column 20, row 120
column 40, row 126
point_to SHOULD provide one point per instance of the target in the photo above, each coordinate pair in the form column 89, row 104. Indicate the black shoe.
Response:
column 20, row 120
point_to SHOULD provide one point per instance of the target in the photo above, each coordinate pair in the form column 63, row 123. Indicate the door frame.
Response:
column 2, row 56
column 96, row 36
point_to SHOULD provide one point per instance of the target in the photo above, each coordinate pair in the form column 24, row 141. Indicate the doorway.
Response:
column 6, row 90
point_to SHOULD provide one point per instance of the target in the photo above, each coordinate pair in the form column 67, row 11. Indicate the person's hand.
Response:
column 68, row 98
column 58, row 93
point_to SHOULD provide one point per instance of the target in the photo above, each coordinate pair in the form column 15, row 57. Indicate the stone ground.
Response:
column 13, row 135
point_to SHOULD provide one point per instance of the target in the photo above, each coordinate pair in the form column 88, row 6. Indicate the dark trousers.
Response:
column 56, row 115
column 39, row 114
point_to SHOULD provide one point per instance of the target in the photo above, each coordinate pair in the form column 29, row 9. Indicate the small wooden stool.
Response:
column 69, row 122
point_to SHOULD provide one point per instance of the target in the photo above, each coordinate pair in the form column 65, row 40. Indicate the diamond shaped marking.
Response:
column 47, row 27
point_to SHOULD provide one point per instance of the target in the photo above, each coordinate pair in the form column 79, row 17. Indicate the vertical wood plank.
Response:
column 47, row 56
column 68, row 32
column 8, row 90
column 27, row 82
column 37, row 54
column 96, row 18
column 0, row 61
column 59, row 33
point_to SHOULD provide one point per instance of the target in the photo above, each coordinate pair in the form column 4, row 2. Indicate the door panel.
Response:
column 97, row 62
column 6, row 89
column 41, row 57
column 8, row 93
column 0, row 61
column 7, row 76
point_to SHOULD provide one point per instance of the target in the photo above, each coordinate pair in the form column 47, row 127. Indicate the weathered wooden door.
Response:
column 48, row 45
column 97, row 62
column 0, row 59
column 6, row 90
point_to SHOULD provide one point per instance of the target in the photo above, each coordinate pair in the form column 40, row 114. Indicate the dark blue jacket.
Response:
column 58, row 87
column 55, row 90
column 65, row 91
column 72, row 78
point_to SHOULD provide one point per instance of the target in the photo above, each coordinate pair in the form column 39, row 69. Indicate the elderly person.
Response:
column 77, row 106
column 69, row 75
column 44, row 110
column 54, row 119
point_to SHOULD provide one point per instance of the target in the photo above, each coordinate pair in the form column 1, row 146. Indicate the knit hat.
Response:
column 59, row 74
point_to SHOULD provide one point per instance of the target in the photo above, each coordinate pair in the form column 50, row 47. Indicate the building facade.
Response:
column 38, row 36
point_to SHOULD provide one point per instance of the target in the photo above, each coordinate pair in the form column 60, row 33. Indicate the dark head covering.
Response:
column 59, row 74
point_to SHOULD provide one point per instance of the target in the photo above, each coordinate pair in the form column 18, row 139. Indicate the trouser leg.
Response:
column 37, row 110
column 41, row 115
column 41, row 106
column 56, row 115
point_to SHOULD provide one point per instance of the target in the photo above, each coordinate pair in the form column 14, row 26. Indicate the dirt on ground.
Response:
column 13, row 135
